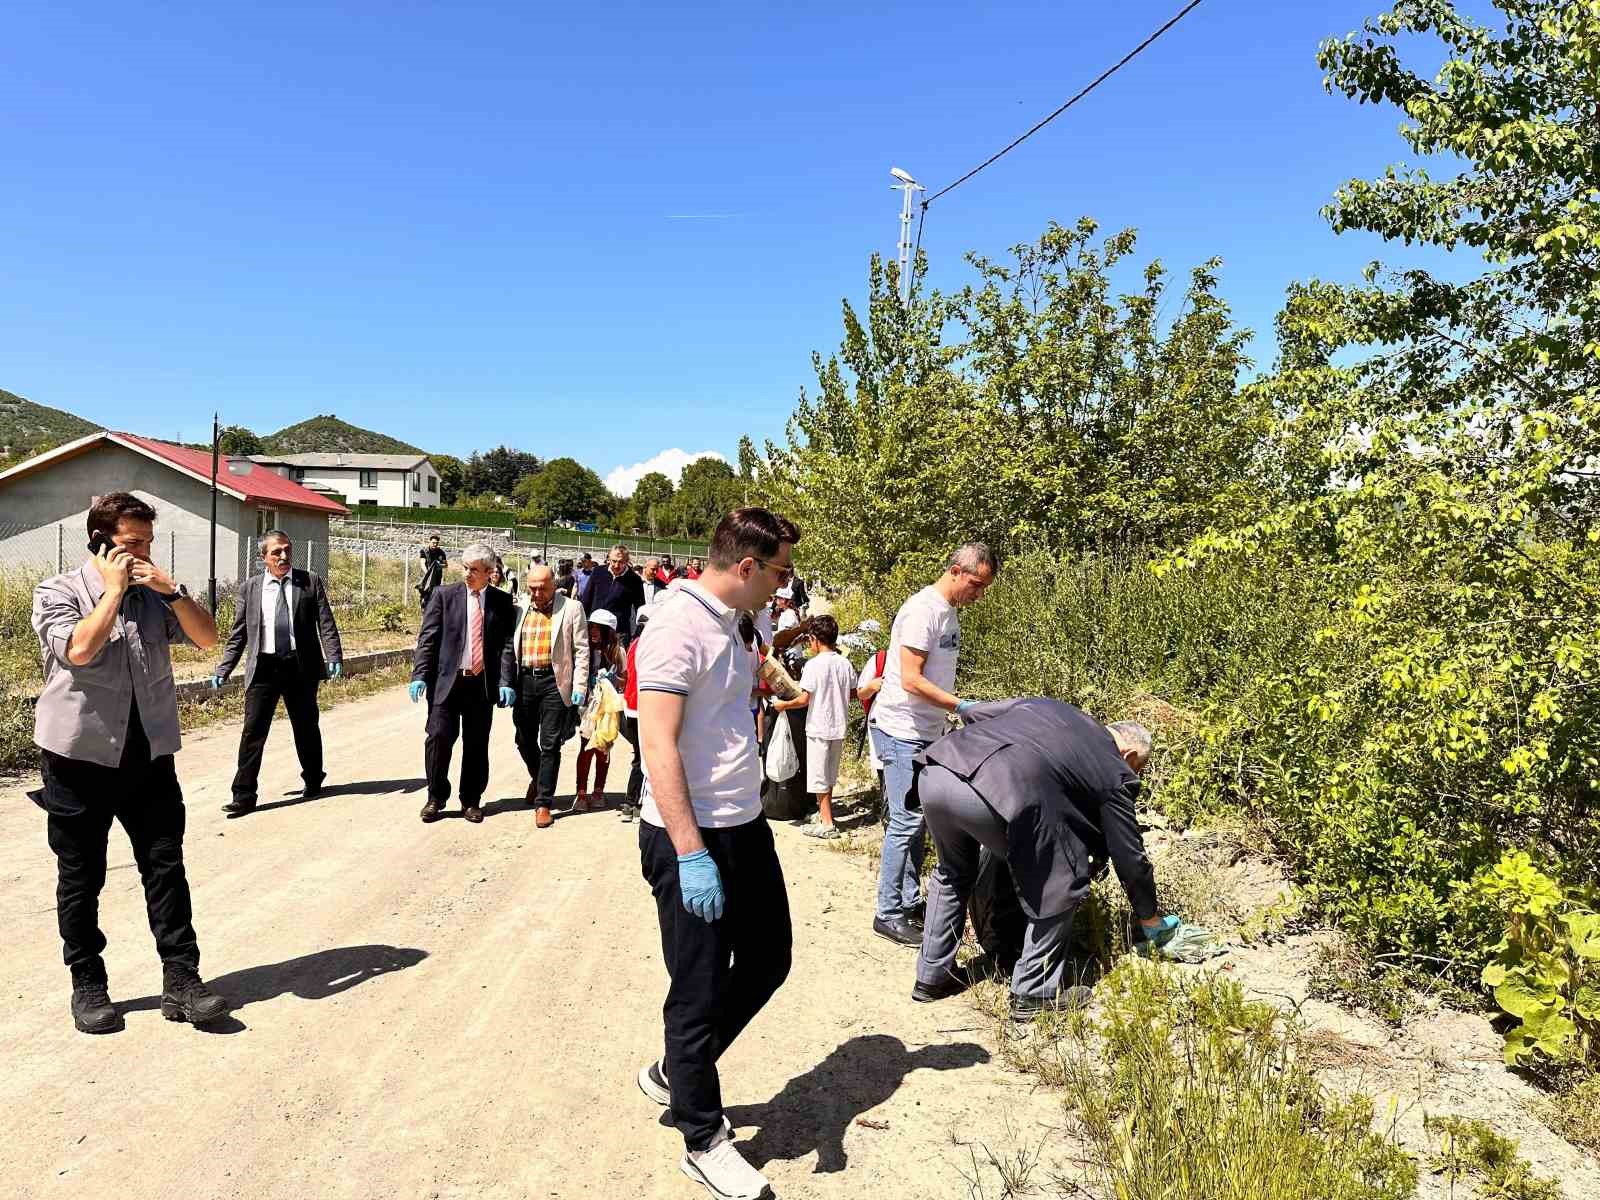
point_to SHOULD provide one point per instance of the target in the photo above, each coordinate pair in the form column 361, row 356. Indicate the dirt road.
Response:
column 456, row 1010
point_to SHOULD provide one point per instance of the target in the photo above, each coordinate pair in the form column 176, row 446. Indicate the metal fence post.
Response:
column 61, row 563
column 363, row 572
column 405, row 596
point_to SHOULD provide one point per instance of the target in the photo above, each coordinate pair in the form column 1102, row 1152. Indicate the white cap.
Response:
column 604, row 616
column 785, row 593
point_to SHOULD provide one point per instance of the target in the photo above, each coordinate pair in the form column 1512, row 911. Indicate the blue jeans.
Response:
column 900, row 867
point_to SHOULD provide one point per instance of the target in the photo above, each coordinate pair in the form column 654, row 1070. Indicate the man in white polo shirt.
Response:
column 919, row 679
column 705, row 848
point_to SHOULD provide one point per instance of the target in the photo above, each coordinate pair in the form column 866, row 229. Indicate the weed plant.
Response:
column 1183, row 1090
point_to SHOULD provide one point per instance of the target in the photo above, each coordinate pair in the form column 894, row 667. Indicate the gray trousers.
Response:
column 960, row 823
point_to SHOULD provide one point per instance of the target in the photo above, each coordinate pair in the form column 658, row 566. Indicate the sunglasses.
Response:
column 784, row 573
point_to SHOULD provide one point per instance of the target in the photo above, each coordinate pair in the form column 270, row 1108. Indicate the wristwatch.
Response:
column 173, row 597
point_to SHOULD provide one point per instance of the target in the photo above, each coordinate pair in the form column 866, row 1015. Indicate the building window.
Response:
column 433, row 483
column 416, row 481
column 299, row 474
column 415, row 504
column 372, row 503
column 266, row 519
column 369, row 479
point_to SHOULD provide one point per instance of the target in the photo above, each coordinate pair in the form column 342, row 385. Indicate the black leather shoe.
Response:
column 430, row 810
column 238, row 808
column 898, row 930
column 311, row 791
column 92, row 1010
column 185, row 998
column 1025, row 1008
column 473, row 813
column 950, row 985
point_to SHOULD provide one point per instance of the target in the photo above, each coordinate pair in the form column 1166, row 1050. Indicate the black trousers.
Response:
column 467, row 713
column 81, row 799
column 723, row 972
column 277, row 678
column 540, row 716
column 630, row 730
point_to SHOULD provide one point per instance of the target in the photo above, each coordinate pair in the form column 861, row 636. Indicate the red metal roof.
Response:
column 260, row 486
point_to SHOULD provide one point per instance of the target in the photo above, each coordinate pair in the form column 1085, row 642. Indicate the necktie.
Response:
column 475, row 630
column 280, row 623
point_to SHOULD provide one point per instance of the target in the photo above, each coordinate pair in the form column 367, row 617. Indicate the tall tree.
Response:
column 565, row 490
column 707, row 489
column 238, row 441
column 498, row 471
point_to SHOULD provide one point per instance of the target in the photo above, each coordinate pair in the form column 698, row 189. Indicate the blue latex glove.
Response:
column 578, row 696
column 416, row 688
column 701, row 885
column 217, row 681
column 507, row 697
column 963, row 707
column 1160, row 935
column 335, row 670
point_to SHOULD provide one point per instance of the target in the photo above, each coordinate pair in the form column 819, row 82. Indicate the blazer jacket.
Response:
column 316, row 636
column 1054, row 775
column 569, row 644
column 438, row 658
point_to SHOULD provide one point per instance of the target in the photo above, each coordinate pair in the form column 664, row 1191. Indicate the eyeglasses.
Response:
column 784, row 573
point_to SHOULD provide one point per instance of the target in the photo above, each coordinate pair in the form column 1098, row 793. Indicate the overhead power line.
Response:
column 1105, row 75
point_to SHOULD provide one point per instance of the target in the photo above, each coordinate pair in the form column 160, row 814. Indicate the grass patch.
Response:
column 1470, row 1148
column 1574, row 1111
column 1182, row 1090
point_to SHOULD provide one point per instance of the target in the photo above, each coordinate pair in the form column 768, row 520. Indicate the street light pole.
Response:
column 905, row 187
column 216, row 440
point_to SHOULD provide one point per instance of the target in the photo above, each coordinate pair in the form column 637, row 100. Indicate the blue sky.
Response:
column 461, row 224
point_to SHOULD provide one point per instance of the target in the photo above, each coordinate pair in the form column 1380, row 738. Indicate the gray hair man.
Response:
column 918, row 694
column 551, row 649
column 465, row 664
column 283, row 626
column 106, row 724
column 1056, row 803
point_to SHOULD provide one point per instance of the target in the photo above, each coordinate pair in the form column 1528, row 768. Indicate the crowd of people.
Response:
column 682, row 662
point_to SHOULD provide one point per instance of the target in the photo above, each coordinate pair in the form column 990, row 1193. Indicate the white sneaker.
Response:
column 724, row 1172
column 819, row 830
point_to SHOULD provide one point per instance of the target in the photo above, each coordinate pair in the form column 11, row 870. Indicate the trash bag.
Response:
column 782, row 761
column 605, row 717
column 998, row 922
column 788, row 800
column 1190, row 944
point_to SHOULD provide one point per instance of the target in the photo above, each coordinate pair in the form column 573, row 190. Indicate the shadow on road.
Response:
column 365, row 787
column 310, row 977
column 815, row 1110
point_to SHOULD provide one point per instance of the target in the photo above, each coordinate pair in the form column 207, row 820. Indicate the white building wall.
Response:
column 396, row 488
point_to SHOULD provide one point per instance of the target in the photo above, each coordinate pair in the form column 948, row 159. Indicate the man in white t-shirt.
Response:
column 918, row 693
column 704, row 845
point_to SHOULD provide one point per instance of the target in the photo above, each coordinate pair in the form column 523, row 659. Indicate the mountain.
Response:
column 26, row 427
column 329, row 434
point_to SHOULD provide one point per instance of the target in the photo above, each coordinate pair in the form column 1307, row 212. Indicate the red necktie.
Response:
column 475, row 630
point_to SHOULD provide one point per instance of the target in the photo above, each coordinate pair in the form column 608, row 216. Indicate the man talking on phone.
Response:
column 106, row 725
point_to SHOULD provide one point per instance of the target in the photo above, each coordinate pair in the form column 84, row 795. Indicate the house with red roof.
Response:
column 44, row 504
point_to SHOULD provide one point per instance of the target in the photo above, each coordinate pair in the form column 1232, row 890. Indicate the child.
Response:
column 826, row 685
column 605, row 657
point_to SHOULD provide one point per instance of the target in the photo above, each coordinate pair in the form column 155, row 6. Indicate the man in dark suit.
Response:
column 617, row 590
column 466, row 662
column 284, row 628
column 1051, row 790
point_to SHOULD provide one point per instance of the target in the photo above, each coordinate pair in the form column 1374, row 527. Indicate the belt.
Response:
column 540, row 670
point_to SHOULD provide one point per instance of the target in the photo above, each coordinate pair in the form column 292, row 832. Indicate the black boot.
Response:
column 185, row 998
column 92, row 1010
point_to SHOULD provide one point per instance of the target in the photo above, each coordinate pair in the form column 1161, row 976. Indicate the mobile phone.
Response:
column 98, row 541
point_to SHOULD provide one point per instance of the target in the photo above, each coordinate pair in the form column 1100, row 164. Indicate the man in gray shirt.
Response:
column 106, row 725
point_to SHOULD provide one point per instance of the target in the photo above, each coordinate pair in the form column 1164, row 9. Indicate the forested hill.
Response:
column 26, row 427
column 329, row 434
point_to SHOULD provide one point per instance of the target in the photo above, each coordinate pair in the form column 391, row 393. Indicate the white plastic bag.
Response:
column 782, row 761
